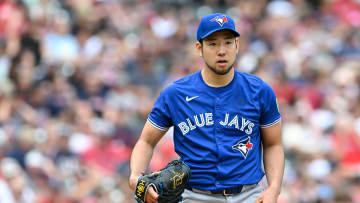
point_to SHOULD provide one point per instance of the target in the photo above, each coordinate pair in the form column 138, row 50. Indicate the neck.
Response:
column 215, row 80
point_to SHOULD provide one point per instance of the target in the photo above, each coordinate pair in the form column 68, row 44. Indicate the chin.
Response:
column 222, row 71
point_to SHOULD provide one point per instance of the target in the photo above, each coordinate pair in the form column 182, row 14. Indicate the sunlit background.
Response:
column 78, row 79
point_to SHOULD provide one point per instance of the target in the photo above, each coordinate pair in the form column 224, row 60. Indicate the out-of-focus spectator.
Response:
column 14, row 186
column 78, row 79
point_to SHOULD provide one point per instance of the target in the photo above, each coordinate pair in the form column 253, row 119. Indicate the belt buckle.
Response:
column 226, row 194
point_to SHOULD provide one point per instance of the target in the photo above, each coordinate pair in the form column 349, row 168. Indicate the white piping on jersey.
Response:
column 271, row 124
column 156, row 125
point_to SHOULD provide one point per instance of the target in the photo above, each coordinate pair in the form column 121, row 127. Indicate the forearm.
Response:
column 139, row 161
column 274, row 165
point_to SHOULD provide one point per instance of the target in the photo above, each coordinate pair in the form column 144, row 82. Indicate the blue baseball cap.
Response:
column 215, row 22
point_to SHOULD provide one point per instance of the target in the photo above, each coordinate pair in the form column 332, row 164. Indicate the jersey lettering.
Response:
column 209, row 118
column 191, row 124
column 235, row 122
column 184, row 128
column 249, row 130
column 244, row 123
column 226, row 120
column 192, row 127
column 197, row 120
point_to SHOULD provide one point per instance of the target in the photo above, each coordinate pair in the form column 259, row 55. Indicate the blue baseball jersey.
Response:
column 217, row 130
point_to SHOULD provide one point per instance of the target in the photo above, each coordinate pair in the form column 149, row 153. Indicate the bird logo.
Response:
column 220, row 20
column 244, row 146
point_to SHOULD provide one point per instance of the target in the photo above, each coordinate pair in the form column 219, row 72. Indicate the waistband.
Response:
column 225, row 192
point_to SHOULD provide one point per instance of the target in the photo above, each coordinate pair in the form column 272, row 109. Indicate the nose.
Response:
column 222, row 50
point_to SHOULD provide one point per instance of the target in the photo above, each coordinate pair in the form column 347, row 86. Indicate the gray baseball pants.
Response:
column 248, row 195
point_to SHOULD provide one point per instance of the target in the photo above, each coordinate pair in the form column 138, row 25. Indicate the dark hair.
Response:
column 201, row 42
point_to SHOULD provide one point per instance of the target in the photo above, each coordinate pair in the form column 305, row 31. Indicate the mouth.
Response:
column 221, row 62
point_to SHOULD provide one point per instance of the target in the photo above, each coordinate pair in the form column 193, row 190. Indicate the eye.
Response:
column 229, row 42
column 212, row 44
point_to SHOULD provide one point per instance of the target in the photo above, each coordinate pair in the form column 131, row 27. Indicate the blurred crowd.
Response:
column 78, row 79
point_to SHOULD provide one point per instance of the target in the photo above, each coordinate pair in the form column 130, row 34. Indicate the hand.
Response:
column 270, row 195
column 169, row 182
column 151, row 196
column 132, row 181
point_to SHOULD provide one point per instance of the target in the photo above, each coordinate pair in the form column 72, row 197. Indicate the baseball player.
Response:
column 226, row 125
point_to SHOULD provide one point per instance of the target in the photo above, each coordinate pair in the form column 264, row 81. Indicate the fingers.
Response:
column 151, row 195
column 259, row 199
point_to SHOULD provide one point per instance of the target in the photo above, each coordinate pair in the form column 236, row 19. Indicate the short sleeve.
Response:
column 159, row 117
column 270, row 114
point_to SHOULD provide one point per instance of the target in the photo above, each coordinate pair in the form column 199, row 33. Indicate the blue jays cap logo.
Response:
column 220, row 20
column 243, row 146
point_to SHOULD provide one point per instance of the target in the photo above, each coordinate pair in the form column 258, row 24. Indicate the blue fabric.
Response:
column 215, row 22
column 217, row 130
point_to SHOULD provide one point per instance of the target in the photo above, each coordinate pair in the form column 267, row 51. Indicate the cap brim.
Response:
column 212, row 31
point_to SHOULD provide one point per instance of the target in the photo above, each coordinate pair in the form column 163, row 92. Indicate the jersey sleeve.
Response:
column 270, row 114
column 159, row 117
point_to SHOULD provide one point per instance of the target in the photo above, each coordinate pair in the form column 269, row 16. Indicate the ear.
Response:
column 199, row 48
column 237, row 43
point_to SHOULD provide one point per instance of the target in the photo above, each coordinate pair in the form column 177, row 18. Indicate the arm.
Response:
column 142, row 152
column 273, row 162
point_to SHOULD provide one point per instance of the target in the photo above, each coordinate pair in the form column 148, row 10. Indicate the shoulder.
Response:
column 187, row 80
column 251, row 80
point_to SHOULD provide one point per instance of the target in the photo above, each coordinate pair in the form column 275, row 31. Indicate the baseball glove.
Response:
column 169, row 183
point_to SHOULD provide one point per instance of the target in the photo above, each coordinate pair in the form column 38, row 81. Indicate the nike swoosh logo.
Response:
column 190, row 98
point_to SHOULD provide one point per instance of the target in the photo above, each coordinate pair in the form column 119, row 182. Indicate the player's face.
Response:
column 219, row 51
